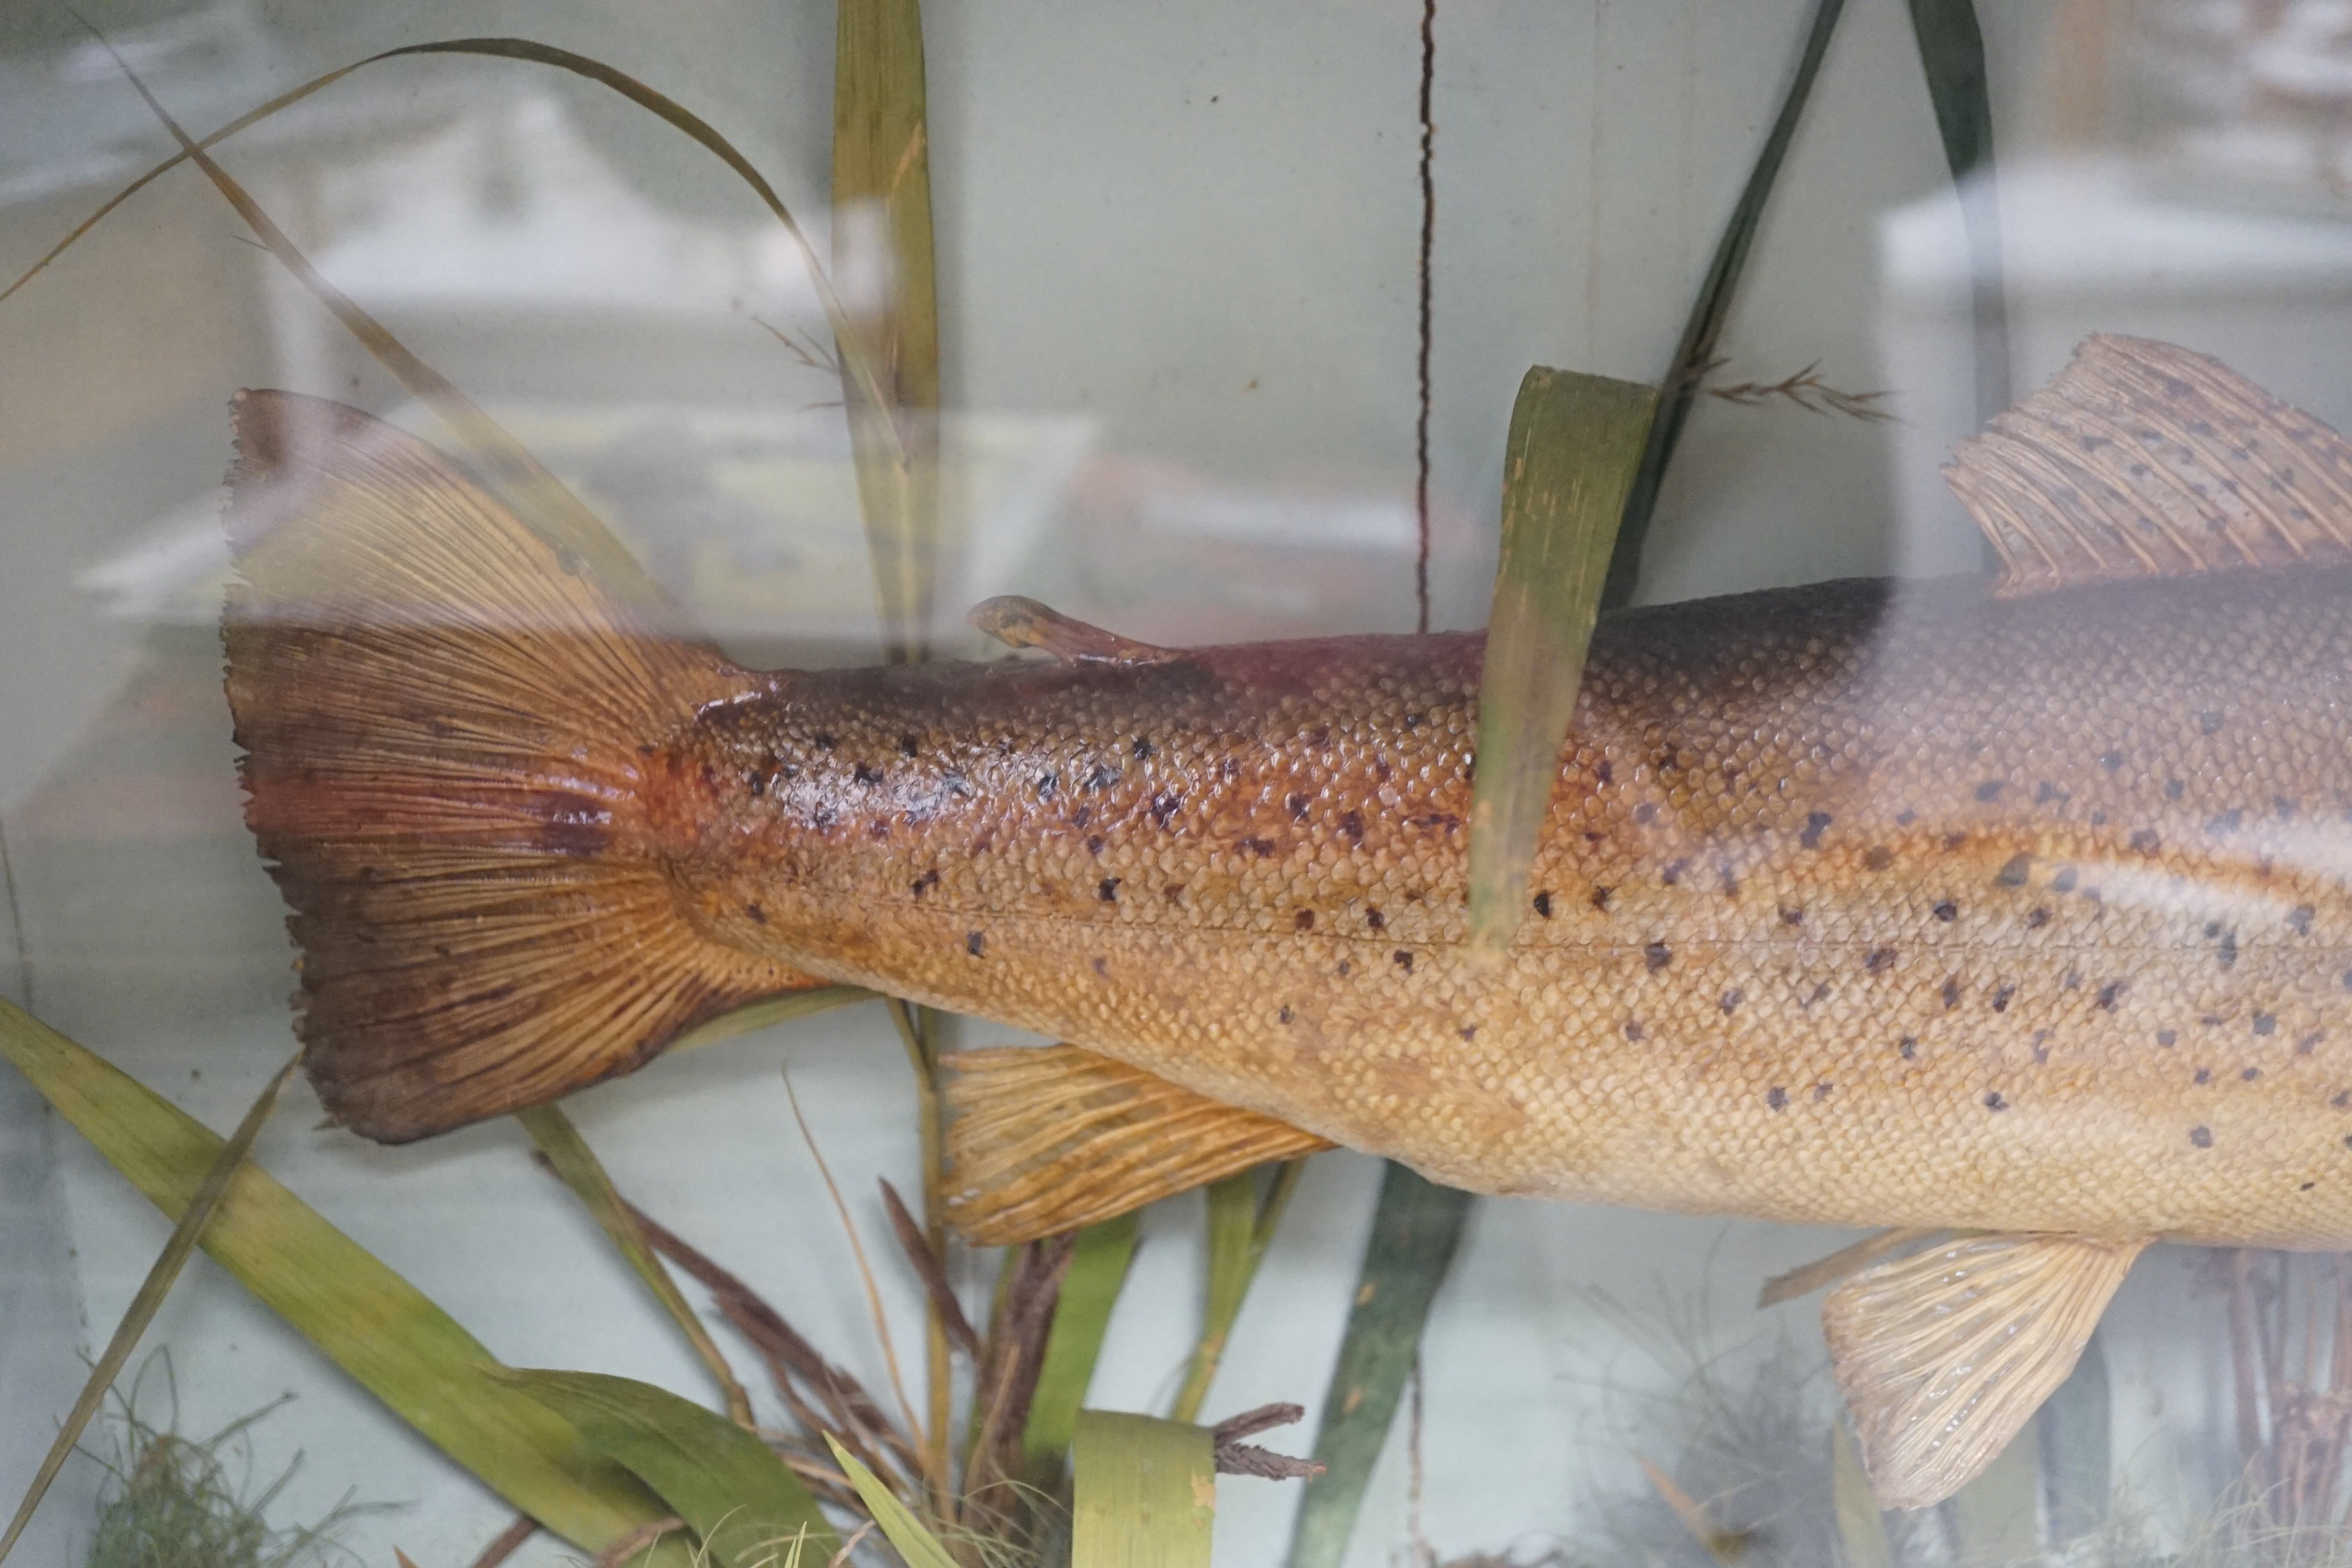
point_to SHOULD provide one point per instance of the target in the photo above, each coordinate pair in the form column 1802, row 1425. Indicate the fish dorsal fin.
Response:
column 1049, row 1138
column 1017, row 622
column 2144, row 460
column 1944, row 1355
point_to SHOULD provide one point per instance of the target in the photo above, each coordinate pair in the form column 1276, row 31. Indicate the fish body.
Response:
column 1860, row 903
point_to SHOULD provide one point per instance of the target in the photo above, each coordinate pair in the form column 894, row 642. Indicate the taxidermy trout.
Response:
column 2015, row 907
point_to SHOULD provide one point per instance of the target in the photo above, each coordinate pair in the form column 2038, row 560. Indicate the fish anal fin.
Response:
column 2145, row 460
column 1017, row 622
column 1943, row 1356
column 1048, row 1139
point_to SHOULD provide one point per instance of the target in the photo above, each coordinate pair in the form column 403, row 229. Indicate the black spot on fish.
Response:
column 1081, row 817
column 1346, row 968
column 2070, row 981
column 2045, row 792
column 1375, row 919
column 2111, row 761
column 2208, row 722
column 2307, row 1186
column 1791, row 916
column 2204, row 1074
column 1100, row 966
column 1905, row 817
column 1261, row 847
column 1989, row 790
column 757, row 783
column 2227, row 822
column 1993, row 1101
column 1094, row 843
column 1174, row 892
column 1403, row 960
column 1953, row 841
column 1600, row 897
column 1468, row 1031
column 1728, row 883
column 1908, row 1047
column 2038, row 919
column 823, row 818
column 2166, row 1037
column 2310, row 1042
column 1107, row 889
column 2249, row 1075
column 2109, row 993
column 759, row 915
column 1877, row 857
column 2064, row 882
column 2282, row 809
column 927, row 881
column 1877, row 959
column 2013, row 871
column 1657, row 955
column 1543, row 904
column 2144, row 840
column 1303, row 920
column 2298, row 920
column 1352, row 824
column 1644, row 813
column 1633, row 1030
column 2202, row 1136
column 1814, row 823
column 1951, row 992
column 1140, row 749
column 1164, row 805
column 2040, row 1046
column 909, row 746
column 975, row 942
column 2229, row 948
column 2000, row 998
column 1946, row 912
column 2173, row 789
column 1604, row 773
column 1286, row 1015
column 1777, row 1099
column 1101, row 776
column 824, row 742
column 864, row 774
column 1047, row 784
column 1731, row 1000
column 1674, row 871
column 2265, row 1023
column 1297, row 804
column 1821, row 1091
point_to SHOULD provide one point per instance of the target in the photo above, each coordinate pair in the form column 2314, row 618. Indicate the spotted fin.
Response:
column 2144, row 460
column 1944, row 1355
column 1017, row 622
column 1047, row 1140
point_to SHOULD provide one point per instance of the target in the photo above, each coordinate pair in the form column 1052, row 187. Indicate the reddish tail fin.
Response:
column 441, row 719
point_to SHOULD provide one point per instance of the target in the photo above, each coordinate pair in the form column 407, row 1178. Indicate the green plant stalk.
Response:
column 149, row 1299
column 1862, row 1528
column 733, row 1490
column 774, row 1010
column 1709, row 311
column 1951, row 53
column 1240, row 1228
column 1144, row 1493
column 881, row 156
column 1997, row 1516
column 2076, row 1441
column 569, row 1154
column 916, row 1029
column 1574, row 445
column 362, row 1316
column 917, row 1546
column 1415, row 1231
column 1090, row 1289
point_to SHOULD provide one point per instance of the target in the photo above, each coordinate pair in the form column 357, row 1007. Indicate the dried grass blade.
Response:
column 881, row 160
column 1725, row 1546
column 1145, row 1492
column 1006, row 1383
column 1574, row 443
column 738, row 1495
column 1415, row 1231
column 774, row 1010
column 507, row 1541
column 366, row 1319
column 1090, row 1289
column 575, row 1164
column 1710, row 310
column 161, row 1276
column 931, row 1270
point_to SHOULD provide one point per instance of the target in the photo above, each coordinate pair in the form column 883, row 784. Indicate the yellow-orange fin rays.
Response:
column 1944, row 1355
column 1047, row 1140
column 448, row 731
column 1017, row 622
column 2147, row 459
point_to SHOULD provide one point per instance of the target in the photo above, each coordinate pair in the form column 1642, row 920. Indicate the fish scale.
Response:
column 1867, row 906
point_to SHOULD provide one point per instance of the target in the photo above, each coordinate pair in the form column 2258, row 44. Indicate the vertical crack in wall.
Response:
column 16, row 923
column 1428, row 242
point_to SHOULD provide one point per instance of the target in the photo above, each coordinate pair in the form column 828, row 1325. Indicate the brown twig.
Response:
column 1235, row 1457
column 508, row 1543
column 1805, row 389
column 931, row 1270
column 645, row 1536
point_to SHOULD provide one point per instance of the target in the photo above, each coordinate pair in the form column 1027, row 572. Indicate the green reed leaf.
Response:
column 2077, row 1441
column 882, row 171
column 576, row 1165
column 1997, row 1516
column 1242, row 1214
column 916, row 1543
column 1415, row 1231
column 366, row 1319
column 1862, row 1527
column 738, row 1496
column 161, row 1276
column 1574, row 443
column 1710, row 310
column 1090, row 1289
column 773, row 1010
column 1951, row 52
column 1144, row 1492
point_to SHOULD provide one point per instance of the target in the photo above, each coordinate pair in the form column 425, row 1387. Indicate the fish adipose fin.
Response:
column 1046, row 1139
column 1017, row 622
column 441, row 719
column 2144, row 460
column 1945, row 1356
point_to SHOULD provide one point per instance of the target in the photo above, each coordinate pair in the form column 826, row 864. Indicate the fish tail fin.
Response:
column 1046, row 1139
column 447, row 730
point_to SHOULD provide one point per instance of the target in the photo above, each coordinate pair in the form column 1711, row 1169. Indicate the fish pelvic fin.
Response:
column 1943, row 1356
column 2144, row 460
column 1047, row 1138
column 445, row 727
